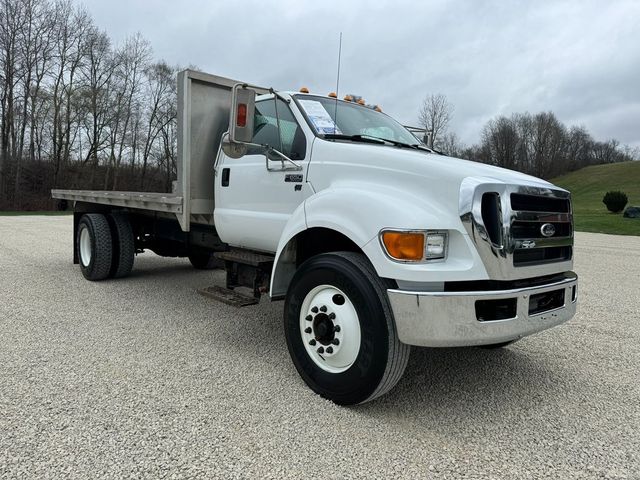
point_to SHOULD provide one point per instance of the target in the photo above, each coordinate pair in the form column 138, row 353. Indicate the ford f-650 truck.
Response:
column 374, row 241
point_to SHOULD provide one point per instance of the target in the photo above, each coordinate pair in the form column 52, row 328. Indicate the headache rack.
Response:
column 519, row 230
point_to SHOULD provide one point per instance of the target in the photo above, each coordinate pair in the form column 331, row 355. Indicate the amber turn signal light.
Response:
column 407, row 246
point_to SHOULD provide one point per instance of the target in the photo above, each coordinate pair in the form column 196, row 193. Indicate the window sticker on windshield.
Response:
column 319, row 117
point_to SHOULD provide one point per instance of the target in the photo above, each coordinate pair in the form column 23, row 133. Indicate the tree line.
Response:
column 78, row 111
column 537, row 144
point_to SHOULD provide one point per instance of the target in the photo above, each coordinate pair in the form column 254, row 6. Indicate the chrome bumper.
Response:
column 449, row 319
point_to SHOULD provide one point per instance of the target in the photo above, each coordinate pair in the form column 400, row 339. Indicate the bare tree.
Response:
column 13, row 19
column 451, row 145
column 132, row 60
column 435, row 115
column 35, row 51
column 161, row 92
column 500, row 141
column 71, row 26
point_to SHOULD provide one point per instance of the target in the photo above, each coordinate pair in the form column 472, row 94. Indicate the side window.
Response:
column 265, row 130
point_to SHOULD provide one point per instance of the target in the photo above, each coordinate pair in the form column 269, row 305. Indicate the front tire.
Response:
column 94, row 246
column 361, row 359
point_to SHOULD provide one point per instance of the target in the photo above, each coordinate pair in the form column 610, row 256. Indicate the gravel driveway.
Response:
column 143, row 377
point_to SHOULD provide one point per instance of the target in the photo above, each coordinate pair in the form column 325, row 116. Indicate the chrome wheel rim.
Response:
column 330, row 329
column 85, row 246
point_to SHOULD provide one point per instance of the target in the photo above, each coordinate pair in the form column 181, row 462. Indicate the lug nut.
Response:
column 321, row 350
column 312, row 342
column 308, row 318
column 329, row 349
column 323, row 308
column 332, row 316
column 335, row 341
column 314, row 309
column 307, row 330
column 336, row 328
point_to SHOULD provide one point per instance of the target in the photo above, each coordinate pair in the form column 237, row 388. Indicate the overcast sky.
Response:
column 580, row 59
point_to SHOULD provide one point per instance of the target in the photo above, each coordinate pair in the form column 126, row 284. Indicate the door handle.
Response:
column 226, row 173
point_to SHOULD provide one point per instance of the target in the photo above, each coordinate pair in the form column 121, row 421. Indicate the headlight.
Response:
column 414, row 245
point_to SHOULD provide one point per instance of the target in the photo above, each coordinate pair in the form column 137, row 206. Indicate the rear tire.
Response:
column 343, row 290
column 205, row 261
column 124, row 249
column 94, row 246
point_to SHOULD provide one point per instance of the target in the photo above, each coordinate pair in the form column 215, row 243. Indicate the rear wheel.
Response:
column 94, row 246
column 340, row 329
column 123, row 246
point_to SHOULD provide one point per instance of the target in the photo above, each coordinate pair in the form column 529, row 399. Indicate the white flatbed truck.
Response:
column 374, row 242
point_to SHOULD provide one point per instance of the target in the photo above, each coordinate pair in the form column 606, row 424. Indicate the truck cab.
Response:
column 375, row 242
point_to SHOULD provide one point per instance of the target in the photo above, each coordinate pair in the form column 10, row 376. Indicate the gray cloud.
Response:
column 580, row 59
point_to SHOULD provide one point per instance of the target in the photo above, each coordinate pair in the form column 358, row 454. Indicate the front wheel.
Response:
column 340, row 329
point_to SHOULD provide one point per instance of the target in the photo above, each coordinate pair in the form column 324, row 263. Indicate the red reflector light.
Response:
column 241, row 118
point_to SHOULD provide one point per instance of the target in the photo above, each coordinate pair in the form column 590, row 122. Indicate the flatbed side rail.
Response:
column 159, row 202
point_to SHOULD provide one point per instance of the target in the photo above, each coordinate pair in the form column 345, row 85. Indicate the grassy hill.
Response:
column 588, row 186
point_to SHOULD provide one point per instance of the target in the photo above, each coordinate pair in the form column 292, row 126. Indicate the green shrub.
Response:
column 615, row 201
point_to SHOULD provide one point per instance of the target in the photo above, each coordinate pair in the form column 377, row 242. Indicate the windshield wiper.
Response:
column 354, row 138
column 379, row 141
column 415, row 146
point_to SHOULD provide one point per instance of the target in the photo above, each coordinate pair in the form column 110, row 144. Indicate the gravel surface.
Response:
column 143, row 377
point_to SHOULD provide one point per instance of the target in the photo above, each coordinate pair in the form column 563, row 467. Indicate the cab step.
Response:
column 247, row 269
column 243, row 257
column 230, row 297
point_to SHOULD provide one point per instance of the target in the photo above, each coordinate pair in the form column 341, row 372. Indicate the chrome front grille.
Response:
column 519, row 230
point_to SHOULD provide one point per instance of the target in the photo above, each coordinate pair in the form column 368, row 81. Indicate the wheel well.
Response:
column 303, row 246
column 315, row 241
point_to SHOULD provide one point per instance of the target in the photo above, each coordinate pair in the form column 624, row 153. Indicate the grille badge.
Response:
column 548, row 230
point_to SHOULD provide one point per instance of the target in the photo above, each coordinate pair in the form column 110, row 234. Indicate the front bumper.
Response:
column 450, row 319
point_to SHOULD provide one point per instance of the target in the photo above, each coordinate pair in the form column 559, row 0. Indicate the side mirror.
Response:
column 243, row 109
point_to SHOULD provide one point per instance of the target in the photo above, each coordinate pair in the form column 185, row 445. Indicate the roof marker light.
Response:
column 304, row 90
column 333, row 95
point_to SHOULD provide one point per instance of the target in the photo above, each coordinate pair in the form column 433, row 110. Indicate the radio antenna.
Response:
column 335, row 113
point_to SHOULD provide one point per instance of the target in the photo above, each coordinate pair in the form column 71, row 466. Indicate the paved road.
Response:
column 143, row 377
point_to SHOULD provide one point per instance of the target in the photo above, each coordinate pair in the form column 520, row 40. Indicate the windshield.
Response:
column 352, row 119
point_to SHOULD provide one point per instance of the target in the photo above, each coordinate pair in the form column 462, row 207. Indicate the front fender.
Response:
column 360, row 212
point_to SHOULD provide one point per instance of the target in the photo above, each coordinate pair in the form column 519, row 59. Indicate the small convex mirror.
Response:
column 231, row 149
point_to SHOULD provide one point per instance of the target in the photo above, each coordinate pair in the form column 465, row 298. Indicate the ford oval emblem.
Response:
column 548, row 230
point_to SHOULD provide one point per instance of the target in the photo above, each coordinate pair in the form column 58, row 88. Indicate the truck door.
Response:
column 253, row 204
